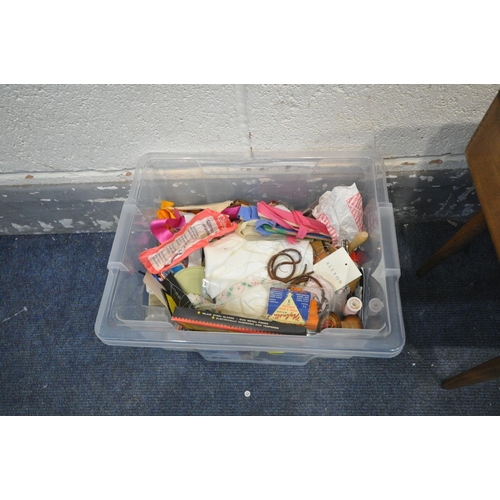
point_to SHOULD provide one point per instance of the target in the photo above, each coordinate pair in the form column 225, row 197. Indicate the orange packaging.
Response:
column 196, row 234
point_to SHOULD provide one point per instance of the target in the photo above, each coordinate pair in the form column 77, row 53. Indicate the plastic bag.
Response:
column 341, row 211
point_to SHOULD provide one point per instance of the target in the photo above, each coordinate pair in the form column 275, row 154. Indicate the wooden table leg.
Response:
column 472, row 228
column 480, row 373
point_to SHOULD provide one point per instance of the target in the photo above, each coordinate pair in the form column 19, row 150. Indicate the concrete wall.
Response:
column 89, row 135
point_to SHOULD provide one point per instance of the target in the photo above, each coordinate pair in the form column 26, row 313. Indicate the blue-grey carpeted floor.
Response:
column 51, row 362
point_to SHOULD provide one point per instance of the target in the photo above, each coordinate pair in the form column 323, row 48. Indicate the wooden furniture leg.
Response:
column 480, row 373
column 472, row 228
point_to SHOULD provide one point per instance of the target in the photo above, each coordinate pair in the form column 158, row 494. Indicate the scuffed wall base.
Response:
column 61, row 208
column 426, row 188
column 419, row 189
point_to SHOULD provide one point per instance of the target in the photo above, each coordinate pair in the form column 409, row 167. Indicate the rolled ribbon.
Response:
column 166, row 210
column 294, row 220
column 164, row 229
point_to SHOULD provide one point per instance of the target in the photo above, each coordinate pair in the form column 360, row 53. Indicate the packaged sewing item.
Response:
column 262, row 298
column 192, row 319
column 287, row 305
column 204, row 227
column 167, row 291
column 292, row 306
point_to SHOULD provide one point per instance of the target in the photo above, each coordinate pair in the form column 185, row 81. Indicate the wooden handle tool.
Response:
column 357, row 241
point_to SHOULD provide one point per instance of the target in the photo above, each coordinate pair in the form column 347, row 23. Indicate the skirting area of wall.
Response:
column 420, row 188
column 431, row 188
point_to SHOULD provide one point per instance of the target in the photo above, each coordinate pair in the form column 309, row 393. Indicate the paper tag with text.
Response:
column 338, row 268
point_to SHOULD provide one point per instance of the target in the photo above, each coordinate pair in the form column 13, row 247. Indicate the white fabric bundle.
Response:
column 233, row 259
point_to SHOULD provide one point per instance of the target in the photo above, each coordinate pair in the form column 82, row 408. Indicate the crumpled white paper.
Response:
column 341, row 211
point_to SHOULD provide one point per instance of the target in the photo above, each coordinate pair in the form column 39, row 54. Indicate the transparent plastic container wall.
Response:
column 298, row 179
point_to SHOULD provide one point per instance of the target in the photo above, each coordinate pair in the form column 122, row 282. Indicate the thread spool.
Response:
column 352, row 306
column 351, row 321
column 375, row 306
column 331, row 321
column 375, row 318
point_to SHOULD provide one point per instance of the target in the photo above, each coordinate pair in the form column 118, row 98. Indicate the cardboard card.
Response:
column 174, row 289
column 338, row 268
column 167, row 292
column 154, row 285
column 193, row 319
column 288, row 306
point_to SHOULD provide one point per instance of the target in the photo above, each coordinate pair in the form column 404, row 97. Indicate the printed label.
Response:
column 288, row 306
column 197, row 231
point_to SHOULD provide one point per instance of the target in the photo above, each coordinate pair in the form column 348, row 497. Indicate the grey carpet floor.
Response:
column 52, row 363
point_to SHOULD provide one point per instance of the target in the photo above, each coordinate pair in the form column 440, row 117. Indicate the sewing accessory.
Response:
column 193, row 319
column 374, row 314
column 352, row 306
column 375, row 306
column 268, row 228
column 331, row 321
column 288, row 306
column 164, row 229
column 166, row 210
column 288, row 254
column 352, row 321
column 196, row 234
column 290, row 279
column 357, row 241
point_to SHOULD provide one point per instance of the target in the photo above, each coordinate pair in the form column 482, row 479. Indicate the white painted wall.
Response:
column 67, row 131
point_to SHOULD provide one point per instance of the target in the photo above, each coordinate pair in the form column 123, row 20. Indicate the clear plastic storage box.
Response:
column 126, row 319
